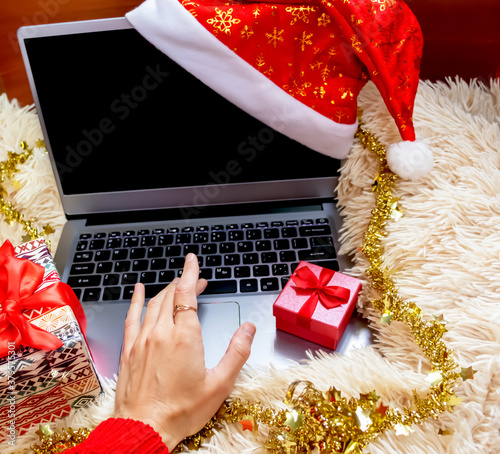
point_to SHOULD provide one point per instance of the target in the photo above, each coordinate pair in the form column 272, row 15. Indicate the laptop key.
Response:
column 120, row 254
column 245, row 246
column 131, row 242
column 84, row 281
column 153, row 289
column 166, row 276
column 138, row 265
column 269, row 284
column 91, row 294
column 281, row 244
column 249, row 285
column 128, row 292
column 231, row 259
column 261, row 270
column 164, row 240
column 176, row 262
column 269, row 257
column 84, row 268
column 102, row 256
column 280, row 269
column 114, row 243
column 148, row 240
column 213, row 260
column 287, row 256
column 225, row 248
column 209, row 248
column 82, row 245
column 111, row 293
column 122, row 265
column 96, row 244
column 158, row 264
column 104, row 267
column 222, row 273
column 318, row 253
column 83, row 257
column 271, row 233
column 148, row 277
column 299, row 243
column 217, row 236
column 321, row 241
column 206, row 273
column 155, row 252
column 194, row 248
column 223, row 286
column 289, row 232
column 111, row 279
column 254, row 234
column 250, row 259
column 172, row 251
column 315, row 230
column 129, row 278
column 138, row 253
column 200, row 237
column 242, row 271
column 264, row 245
column 235, row 235
column 183, row 238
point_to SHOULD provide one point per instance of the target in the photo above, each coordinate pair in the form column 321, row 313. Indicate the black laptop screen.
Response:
column 120, row 116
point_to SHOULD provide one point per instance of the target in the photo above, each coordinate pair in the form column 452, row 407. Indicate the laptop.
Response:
column 152, row 164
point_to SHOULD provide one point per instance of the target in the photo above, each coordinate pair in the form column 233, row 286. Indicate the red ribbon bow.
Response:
column 19, row 278
column 317, row 287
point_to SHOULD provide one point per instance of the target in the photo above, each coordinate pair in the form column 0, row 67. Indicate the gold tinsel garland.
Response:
column 325, row 420
column 12, row 215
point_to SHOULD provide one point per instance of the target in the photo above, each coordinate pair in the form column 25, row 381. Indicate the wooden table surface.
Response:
column 461, row 36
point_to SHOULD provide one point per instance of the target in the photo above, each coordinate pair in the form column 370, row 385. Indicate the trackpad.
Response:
column 218, row 322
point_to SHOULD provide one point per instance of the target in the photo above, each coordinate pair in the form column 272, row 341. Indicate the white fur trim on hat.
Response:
column 174, row 31
column 410, row 160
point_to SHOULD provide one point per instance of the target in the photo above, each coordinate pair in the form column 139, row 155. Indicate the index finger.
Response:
column 185, row 292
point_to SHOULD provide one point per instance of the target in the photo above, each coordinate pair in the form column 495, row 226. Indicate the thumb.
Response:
column 237, row 354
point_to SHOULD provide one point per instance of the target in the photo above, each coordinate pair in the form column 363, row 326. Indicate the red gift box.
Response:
column 316, row 304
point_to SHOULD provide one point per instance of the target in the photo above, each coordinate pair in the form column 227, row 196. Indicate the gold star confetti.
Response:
column 467, row 373
column 402, row 429
column 386, row 318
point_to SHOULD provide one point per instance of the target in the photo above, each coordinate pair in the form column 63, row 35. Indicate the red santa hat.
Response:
column 298, row 66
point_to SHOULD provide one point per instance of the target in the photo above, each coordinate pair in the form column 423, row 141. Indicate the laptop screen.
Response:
column 120, row 116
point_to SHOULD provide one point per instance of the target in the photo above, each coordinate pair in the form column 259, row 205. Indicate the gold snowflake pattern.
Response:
column 275, row 37
column 304, row 40
column 223, row 21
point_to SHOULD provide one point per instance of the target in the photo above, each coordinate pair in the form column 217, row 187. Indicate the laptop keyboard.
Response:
column 234, row 258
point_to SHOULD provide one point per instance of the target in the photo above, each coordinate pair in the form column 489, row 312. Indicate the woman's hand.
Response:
column 163, row 381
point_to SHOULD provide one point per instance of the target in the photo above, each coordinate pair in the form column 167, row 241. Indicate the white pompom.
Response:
column 410, row 160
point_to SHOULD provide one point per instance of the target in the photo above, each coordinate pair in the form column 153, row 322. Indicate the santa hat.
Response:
column 298, row 66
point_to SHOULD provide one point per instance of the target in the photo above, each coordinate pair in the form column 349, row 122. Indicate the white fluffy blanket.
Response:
column 446, row 250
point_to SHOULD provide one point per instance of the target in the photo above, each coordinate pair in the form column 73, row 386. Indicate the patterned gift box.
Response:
column 38, row 386
column 316, row 304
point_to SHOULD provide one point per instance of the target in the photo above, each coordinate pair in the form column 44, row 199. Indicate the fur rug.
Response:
column 446, row 250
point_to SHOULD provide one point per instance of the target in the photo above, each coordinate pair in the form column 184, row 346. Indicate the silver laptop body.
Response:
column 143, row 152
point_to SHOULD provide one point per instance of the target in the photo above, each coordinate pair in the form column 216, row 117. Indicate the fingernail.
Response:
column 189, row 257
column 249, row 329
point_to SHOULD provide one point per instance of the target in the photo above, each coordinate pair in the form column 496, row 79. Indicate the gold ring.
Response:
column 178, row 308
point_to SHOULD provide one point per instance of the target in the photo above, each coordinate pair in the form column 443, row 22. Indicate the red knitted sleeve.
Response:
column 121, row 436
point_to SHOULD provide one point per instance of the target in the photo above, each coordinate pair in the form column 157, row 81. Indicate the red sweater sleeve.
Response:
column 121, row 436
